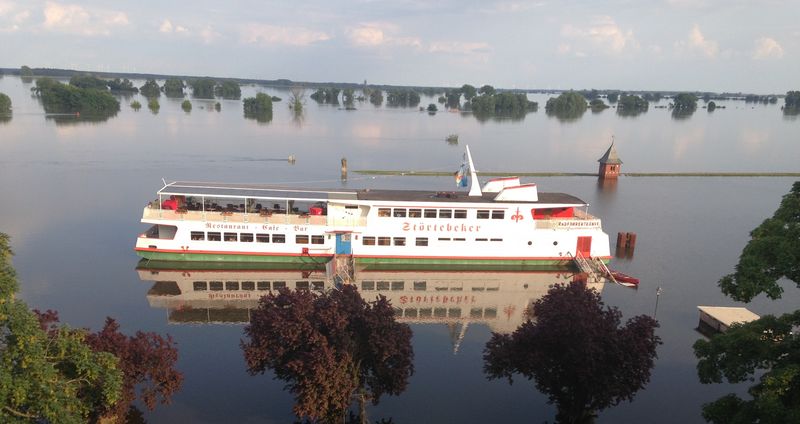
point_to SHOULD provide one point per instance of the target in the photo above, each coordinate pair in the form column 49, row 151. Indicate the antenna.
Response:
column 474, row 185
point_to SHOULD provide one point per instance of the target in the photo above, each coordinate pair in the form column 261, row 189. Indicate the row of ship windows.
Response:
column 320, row 285
column 439, row 213
column 258, row 238
column 444, row 312
column 419, row 241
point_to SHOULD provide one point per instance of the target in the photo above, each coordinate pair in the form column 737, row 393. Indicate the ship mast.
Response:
column 475, row 186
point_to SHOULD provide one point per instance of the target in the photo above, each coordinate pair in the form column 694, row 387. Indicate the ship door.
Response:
column 343, row 244
column 584, row 246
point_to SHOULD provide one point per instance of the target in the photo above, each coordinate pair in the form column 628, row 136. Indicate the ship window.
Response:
column 318, row 285
column 231, row 237
column 425, row 312
column 200, row 286
column 415, row 213
column 246, row 237
column 477, row 289
column 398, row 311
column 460, row 214
column 490, row 313
column 481, row 239
column 445, row 213
column 301, row 239
column 430, row 213
column 454, row 312
column 248, row 285
column 411, row 313
column 456, row 288
column 277, row 285
column 384, row 241
column 214, row 236
column 302, row 285
column 279, row 238
column 496, row 239
column 422, row 241
column 383, row 285
column 317, row 239
column 398, row 285
column 440, row 288
column 198, row 235
column 444, row 239
column 384, row 212
column 262, row 238
column 215, row 285
column 231, row 285
column 263, row 285
column 476, row 313
column 498, row 214
column 459, row 239
column 368, row 241
column 367, row 285
column 399, row 213
column 495, row 288
column 399, row 241
column 483, row 214
column 440, row 312
column 420, row 285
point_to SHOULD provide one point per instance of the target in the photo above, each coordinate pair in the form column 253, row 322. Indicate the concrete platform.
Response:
column 720, row 318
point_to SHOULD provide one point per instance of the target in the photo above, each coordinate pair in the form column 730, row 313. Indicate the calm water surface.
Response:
column 72, row 195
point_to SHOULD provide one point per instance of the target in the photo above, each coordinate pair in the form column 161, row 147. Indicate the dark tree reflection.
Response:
column 330, row 349
column 577, row 352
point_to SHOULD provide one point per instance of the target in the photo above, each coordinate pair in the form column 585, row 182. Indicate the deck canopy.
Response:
column 251, row 191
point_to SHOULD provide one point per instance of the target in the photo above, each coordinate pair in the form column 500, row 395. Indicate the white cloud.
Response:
column 166, row 26
column 459, row 47
column 602, row 35
column 74, row 19
column 207, row 34
column 698, row 43
column 268, row 35
column 11, row 16
column 375, row 34
column 767, row 48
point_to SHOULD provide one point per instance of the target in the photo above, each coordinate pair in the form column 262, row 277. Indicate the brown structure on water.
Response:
column 609, row 164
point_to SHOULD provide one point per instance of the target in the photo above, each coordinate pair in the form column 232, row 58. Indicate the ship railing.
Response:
column 274, row 218
column 568, row 224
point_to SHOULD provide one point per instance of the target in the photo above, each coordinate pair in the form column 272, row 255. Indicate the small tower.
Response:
column 609, row 164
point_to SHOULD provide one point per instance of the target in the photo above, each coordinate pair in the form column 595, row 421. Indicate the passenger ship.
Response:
column 504, row 223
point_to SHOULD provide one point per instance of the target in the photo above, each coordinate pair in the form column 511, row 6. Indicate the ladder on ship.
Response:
column 593, row 267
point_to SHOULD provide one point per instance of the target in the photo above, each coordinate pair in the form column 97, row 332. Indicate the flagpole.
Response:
column 475, row 186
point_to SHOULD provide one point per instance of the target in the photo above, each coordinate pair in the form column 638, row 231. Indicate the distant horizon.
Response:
column 671, row 45
column 158, row 75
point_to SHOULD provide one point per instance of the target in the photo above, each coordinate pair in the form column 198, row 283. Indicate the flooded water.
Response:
column 72, row 195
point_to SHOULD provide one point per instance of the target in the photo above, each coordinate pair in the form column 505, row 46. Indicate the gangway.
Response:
column 341, row 270
column 594, row 268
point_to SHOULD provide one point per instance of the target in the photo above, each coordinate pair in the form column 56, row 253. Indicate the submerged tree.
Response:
column 228, row 89
column 571, row 322
column 5, row 104
column 203, row 88
column 792, row 103
column 173, row 87
column 329, row 348
column 62, row 98
column 684, row 104
column 186, row 105
column 258, row 107
column 632, row 105
column 567, row 106
column 150, row 89
column 768, row 348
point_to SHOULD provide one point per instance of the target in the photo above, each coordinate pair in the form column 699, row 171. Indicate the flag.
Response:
column 462, row 177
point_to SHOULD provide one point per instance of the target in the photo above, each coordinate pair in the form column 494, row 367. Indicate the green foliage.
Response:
column 258, row 107
column 328, row 347
column 376, row 97
column 453, row 99
column 577, row 352
column 217, row 106
column 150, row 89
column 598, row 105
column 684, row 104
column 613, row 97
column 630, row 105
column 402, row 98
column 5, row 104
column 432, row 108
column 652, row 97
column 135, row 105
column 173, row 87
column 228, row 89
column 203, row 88
column 590, row 94
column 469, row 92
column 502, row 104
column 153, row 105
column 124, row 86
column 773, row 252
column 792, row 102
column 767, row 348
column 711, row 106
column 349, row 96
column 88, row 81
column 486, row 89
column 276, row 99
column 567, row 106
column 25, row 71
column 441, row 100
column 186, row 106
column 61, row 98
column 48, row 376
column 326, row 96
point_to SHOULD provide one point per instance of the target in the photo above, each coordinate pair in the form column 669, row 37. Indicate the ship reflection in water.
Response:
column 456, row 298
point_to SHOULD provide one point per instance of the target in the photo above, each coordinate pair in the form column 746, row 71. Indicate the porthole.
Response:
column 555, row 243
column 530, row 243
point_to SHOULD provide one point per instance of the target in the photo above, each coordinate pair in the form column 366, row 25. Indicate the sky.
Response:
column 693, row 45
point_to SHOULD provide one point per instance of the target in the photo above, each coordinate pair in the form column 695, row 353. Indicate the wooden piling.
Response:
column 344, row 169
